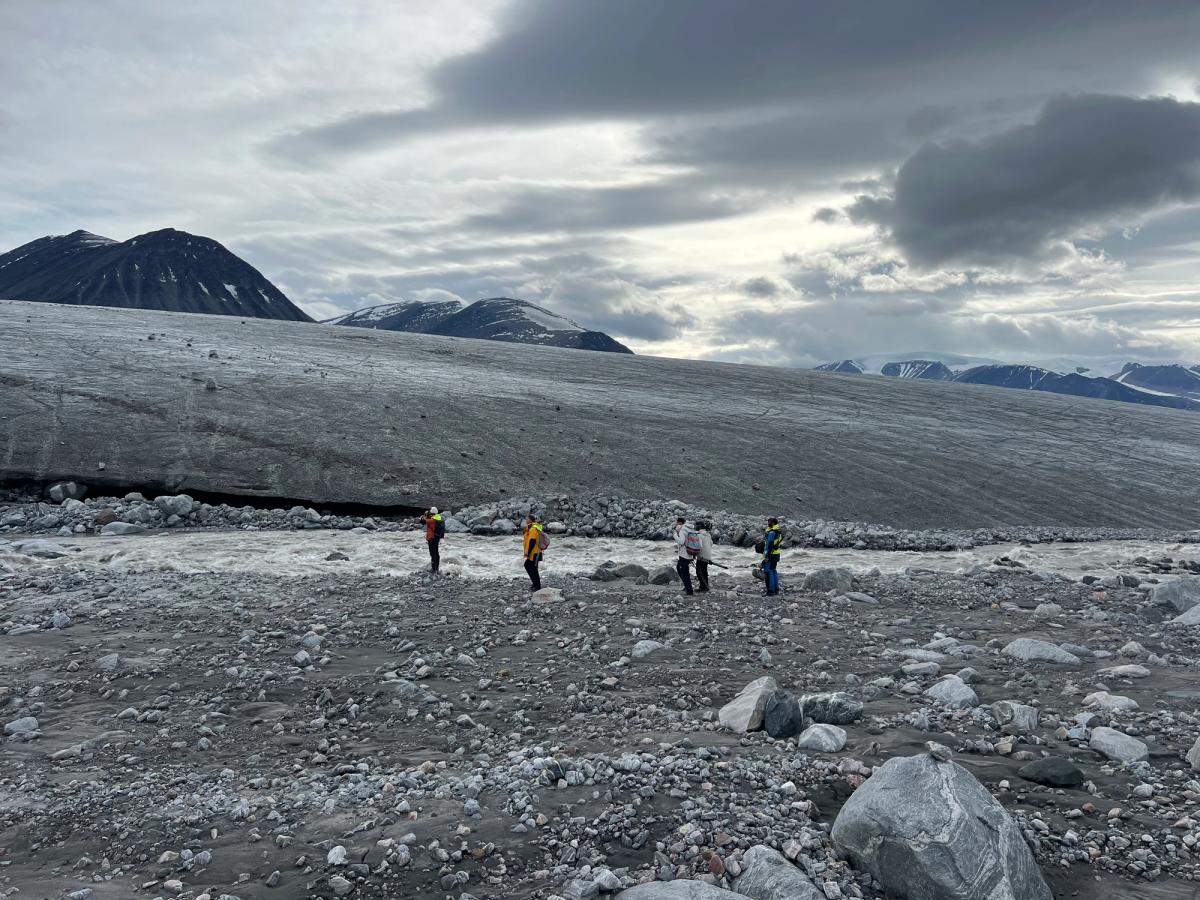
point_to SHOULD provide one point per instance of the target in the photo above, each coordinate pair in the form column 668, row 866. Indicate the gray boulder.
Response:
column 1190, row 617
column 832, row 579
column 1193, row 755
column 662, row 575
column 122, row 528
column 23, row 727
column 678, row 890
column 1118, row 746
column 1017, row 717
column 39, row 548
column 61, row 491
column 767, row 875
column 822, row 738
column 953, row 692
column 836, row 708
column 927, row 829
column 1180, row 595
column 454, row 526
column 178, row 505
column 642, row 649
column 1033, row 650
column 745, row 711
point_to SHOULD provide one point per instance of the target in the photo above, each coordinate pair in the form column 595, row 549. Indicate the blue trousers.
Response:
column 770, row 567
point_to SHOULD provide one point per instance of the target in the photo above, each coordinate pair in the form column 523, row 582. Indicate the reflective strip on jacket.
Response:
column 772, row 538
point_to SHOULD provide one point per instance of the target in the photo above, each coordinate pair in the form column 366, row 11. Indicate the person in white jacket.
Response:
column 683, row 562
column 705, row 557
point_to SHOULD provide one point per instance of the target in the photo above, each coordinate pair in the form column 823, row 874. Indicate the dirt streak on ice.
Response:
column 306, row 552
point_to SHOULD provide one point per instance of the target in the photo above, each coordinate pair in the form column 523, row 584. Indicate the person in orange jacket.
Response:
column 532, row 546
column 435, row 530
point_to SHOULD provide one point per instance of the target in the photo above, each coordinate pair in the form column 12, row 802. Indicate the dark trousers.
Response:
column 770, row 568
column 435, row 558
column 702, row 574
column 684, row 568
column 535, row 580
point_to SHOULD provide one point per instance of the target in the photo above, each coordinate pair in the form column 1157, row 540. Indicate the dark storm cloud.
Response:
column 1087, row 162
column 630, row 60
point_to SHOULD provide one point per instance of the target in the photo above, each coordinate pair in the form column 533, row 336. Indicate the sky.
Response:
column 779, row 181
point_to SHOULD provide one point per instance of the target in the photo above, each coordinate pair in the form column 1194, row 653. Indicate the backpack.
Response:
column 439, row 529
column 543, row 540
column 693, row 543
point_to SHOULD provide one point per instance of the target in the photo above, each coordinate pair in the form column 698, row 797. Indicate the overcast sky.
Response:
column 774, row 181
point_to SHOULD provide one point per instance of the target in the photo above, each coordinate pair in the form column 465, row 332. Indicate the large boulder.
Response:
column 953, row 692
column 783, row 717
column 745, row 711
column 40, row 548
column 1118, row 746
column 1052, row 771
column 1180, row 595
column 663, row 575
column 1033, row 650
column 122, row 528
column 1193, row 755
column 833, row 579
column 835, row 708
column 678, row 890
column 927, row 830
column 767, row 875
column 822, row 738
column 1016, row 718
column 178, row 505
column 1191, row 617
column 62, row 491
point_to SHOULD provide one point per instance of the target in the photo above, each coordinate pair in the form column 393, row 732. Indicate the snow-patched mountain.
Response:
column 927, row 369
column 842, row 367
column 409, row 315
column 1033, row 378
column 1174, row 380
column 494, row 319
column 166, row 270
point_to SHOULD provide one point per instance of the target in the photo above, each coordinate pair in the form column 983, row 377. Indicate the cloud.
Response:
column 544, row 209
column 624, row 60
column 760, row 286
column 1086, row 165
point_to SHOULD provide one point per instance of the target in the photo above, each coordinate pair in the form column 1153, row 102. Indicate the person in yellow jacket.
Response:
column 532, row 545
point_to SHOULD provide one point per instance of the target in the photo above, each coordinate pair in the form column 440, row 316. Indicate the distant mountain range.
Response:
column 174, row 271
column 494, row 319
column 165, row 270
column 1173, row 386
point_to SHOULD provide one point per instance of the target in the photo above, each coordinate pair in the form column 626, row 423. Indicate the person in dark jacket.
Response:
column 435, row 530
column 532, row 545
column 772, row 539
column 705, row 557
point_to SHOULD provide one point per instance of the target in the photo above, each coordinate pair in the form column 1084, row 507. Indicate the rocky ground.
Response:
column 65, row 509
column 326, row 735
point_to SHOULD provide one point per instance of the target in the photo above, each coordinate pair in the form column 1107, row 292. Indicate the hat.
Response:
column 433, row 510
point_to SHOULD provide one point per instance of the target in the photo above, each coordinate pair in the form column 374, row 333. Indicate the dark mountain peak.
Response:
column 842, row 367
column 167, row 269
column 493, row 318
column 1033, row 378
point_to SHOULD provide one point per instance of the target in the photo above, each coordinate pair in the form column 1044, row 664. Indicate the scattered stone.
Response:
column 1021, row 719
column 953, row 692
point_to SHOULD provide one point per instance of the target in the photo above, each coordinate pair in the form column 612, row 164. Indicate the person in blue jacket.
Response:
column 772, row 539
